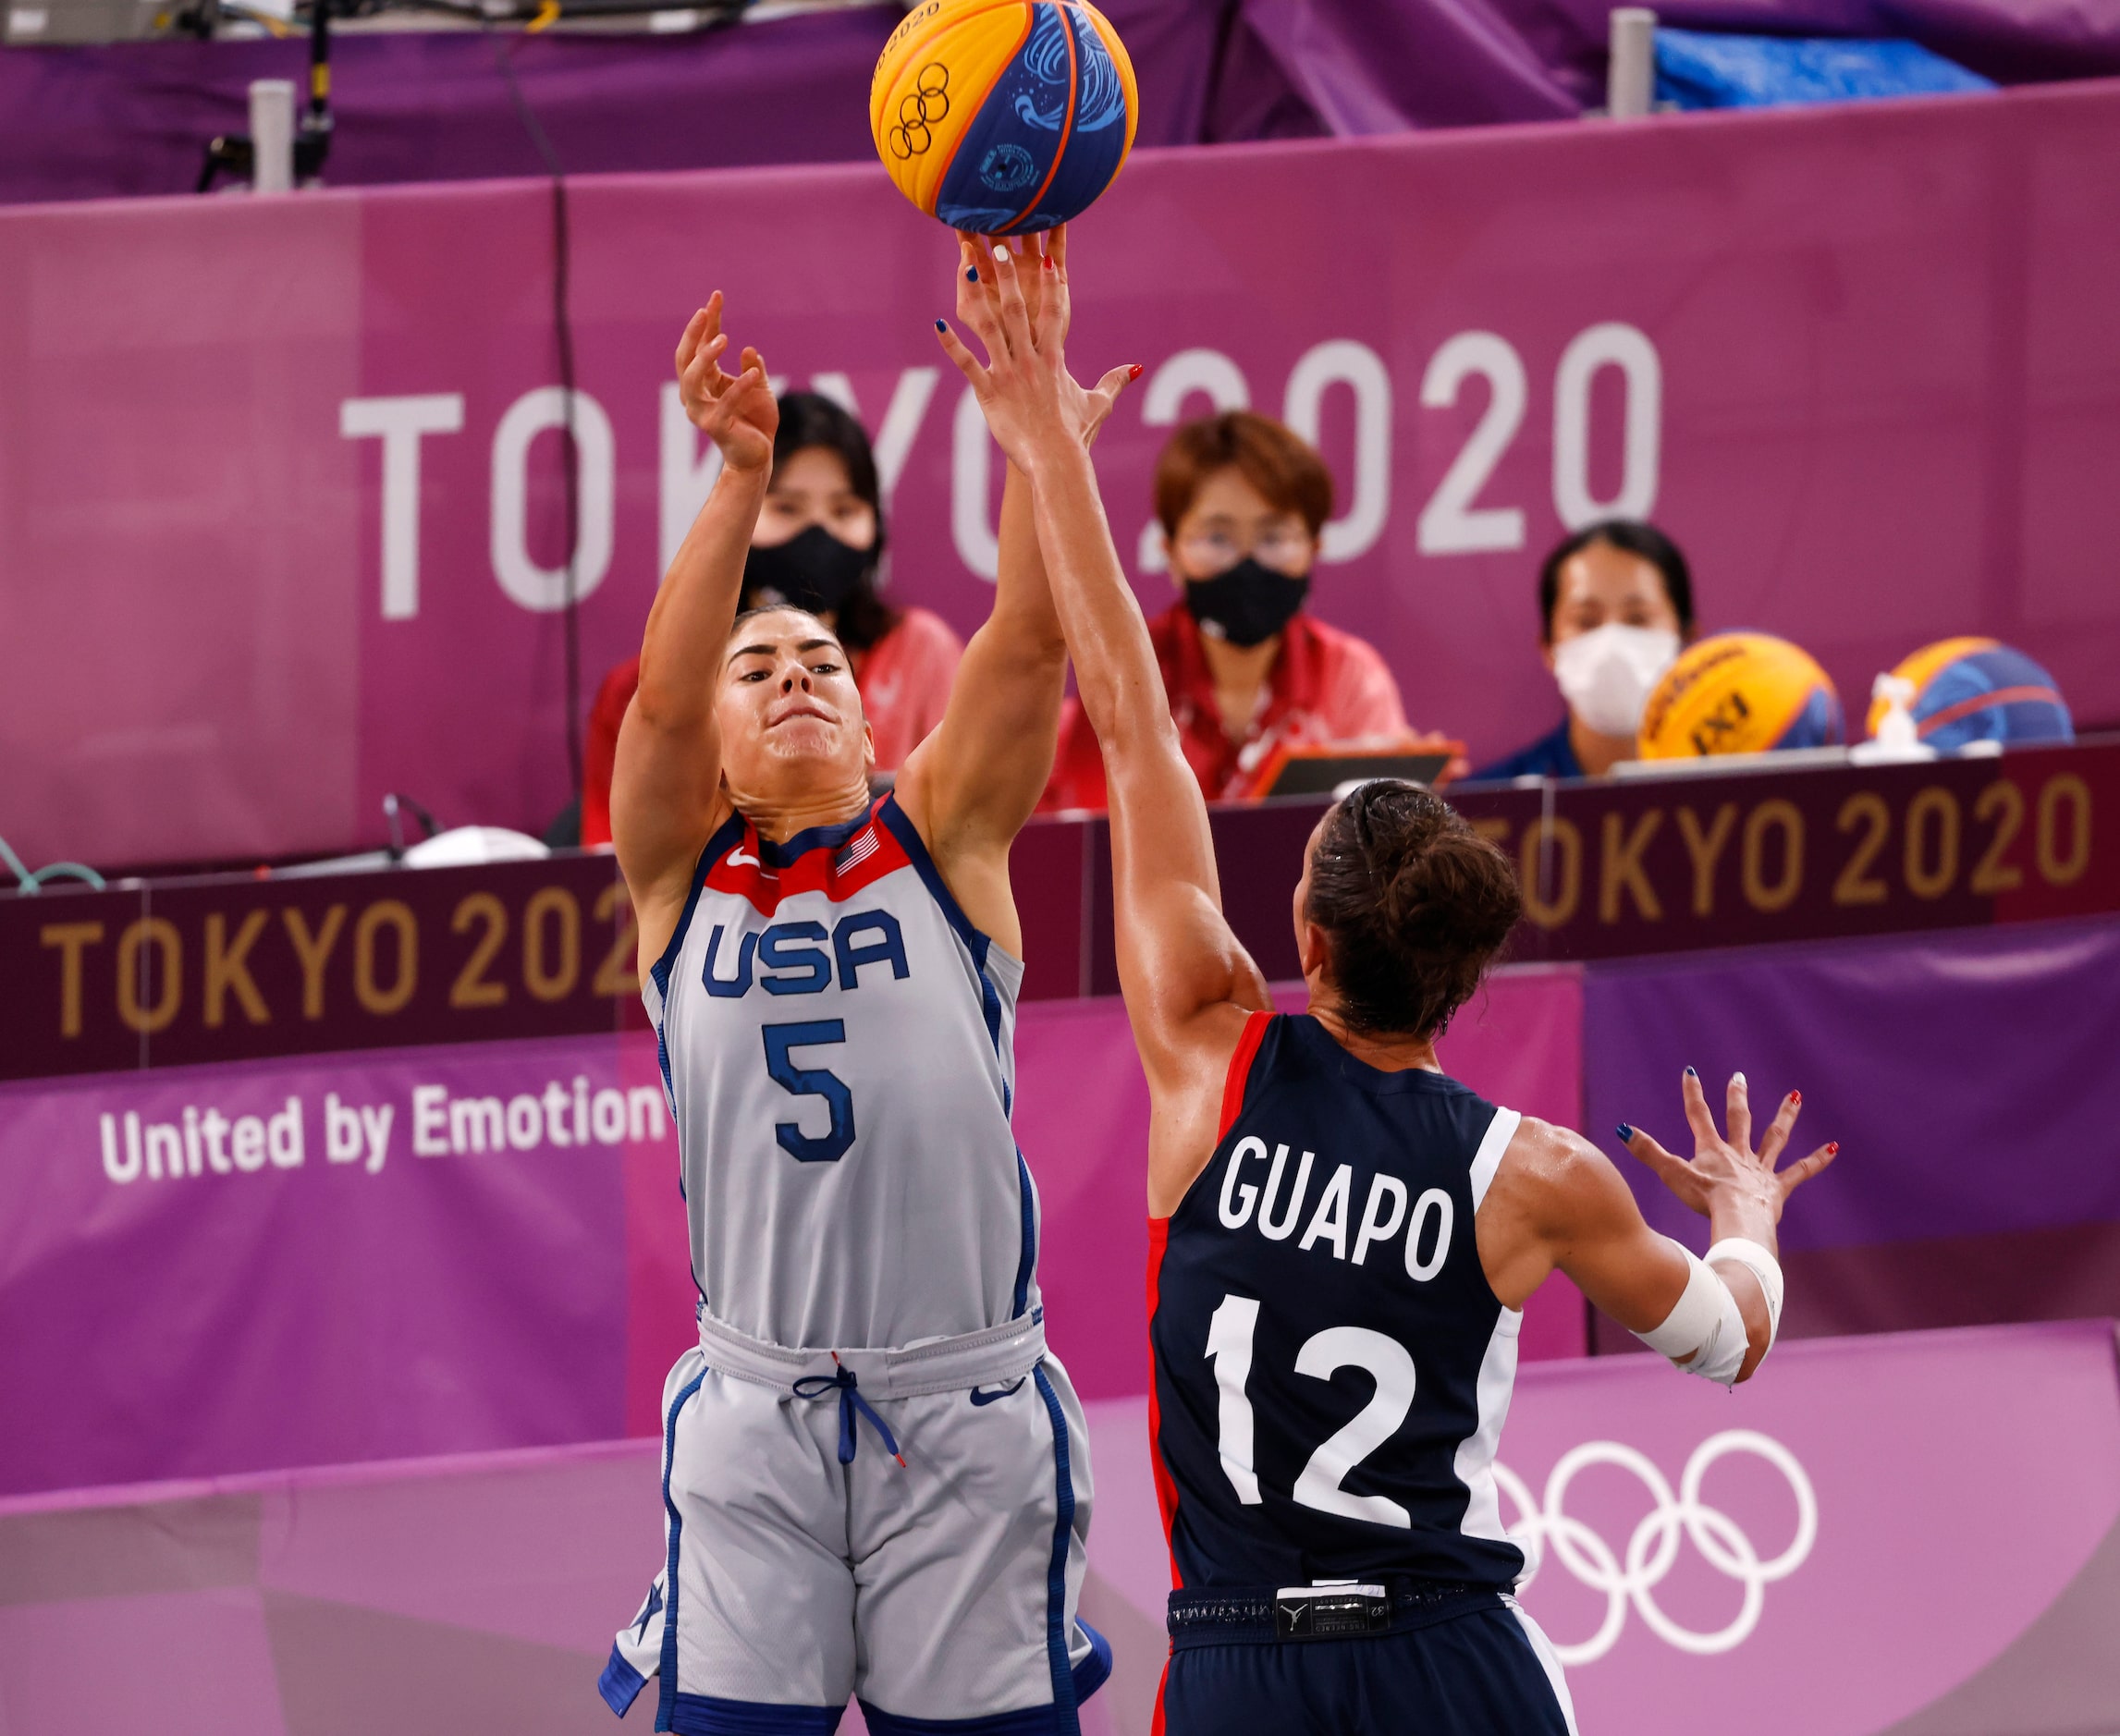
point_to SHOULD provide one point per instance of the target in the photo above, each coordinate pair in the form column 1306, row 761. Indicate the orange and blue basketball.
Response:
column 1980, row 690
column 1003, row 117
column 1740, row 693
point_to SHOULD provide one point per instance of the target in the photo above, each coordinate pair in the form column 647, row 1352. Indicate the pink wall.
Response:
column 1865, row 352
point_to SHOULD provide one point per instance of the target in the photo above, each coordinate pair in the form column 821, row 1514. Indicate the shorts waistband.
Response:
column 1245, row 1614
column 996, row 1355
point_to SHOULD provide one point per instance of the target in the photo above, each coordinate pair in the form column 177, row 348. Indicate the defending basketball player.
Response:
column 1342, row 1237
column 875, row 1479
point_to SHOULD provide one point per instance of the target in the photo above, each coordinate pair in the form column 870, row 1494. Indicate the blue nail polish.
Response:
column 943, row 325
column 972, row 274
column 1626, row 1132
column 1689, row 1072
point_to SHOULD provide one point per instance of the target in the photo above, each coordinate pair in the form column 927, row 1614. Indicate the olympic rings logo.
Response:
column 926, row 105
column 1653, row 1548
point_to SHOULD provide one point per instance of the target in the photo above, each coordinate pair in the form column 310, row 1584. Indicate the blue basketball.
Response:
column 1003, row 117
column 1980, row 690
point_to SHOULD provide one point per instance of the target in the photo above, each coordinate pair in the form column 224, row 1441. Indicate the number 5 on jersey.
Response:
column 806, row 1081
column 1229, row 1335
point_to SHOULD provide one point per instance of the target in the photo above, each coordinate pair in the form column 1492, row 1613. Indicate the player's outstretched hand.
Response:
column 1014, row 296
column 736, row 413
column 981, row 281
column 1729, row 1166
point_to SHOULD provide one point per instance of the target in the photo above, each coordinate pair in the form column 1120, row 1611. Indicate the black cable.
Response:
column 570, row 470
column 392, row 802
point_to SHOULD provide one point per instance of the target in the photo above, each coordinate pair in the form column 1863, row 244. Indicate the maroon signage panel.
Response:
column 1617, row 868
column 234, row 968
column 1670, row 863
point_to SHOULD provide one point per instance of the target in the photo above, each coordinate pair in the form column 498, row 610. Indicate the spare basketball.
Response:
column 1740, row 693
column 1003, row 117
column 1980, row 690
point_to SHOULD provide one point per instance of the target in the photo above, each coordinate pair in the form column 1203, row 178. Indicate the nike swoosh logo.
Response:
column 737, row 858
column 979, row 1397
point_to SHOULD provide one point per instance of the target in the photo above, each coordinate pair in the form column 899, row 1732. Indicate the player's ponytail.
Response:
column 1415, row 905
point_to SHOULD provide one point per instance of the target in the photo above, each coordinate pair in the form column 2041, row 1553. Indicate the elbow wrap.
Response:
column 1763, row 1266
column 1704, row 1333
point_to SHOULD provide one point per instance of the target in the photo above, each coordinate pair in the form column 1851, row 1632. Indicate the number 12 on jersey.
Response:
column 1387, row 1361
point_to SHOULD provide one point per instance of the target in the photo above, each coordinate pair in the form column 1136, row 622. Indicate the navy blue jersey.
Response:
column 1331, row 1369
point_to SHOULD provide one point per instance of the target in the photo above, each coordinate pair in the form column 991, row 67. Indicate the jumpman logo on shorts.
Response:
column 654, row 1608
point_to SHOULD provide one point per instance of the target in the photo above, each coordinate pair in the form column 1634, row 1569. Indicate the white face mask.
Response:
column 1607, row 675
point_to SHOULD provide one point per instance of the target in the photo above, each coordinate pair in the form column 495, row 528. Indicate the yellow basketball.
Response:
column 1003, row 117
column 1740, row 693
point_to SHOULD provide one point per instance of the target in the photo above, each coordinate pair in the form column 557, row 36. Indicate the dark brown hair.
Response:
column 778, row 608
column 1415, row 905
column 1630, row 536
column 1282, row 464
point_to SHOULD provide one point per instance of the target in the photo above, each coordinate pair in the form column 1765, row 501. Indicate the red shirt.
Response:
column 1324, row 686
column 904, row 681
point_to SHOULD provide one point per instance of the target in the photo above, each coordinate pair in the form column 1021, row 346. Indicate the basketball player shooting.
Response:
column 1342, row 1237
column 876, row 1480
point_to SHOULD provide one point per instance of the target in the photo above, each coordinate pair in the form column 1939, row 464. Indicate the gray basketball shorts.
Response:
column 902, row 1526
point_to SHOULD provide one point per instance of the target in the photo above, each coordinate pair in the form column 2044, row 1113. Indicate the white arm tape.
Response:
column 1763, row 1266
column 1704, row 1333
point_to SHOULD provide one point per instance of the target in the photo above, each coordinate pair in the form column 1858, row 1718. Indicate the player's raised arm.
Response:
column 1186, row 980
column 665, row 784
column 971, row 785
column 1556, row 1201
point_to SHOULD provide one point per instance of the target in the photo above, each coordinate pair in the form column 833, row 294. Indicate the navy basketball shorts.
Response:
column 804, row 1564
column 1472, row 1664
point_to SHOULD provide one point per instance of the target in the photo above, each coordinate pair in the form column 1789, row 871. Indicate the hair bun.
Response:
column 1415, row 904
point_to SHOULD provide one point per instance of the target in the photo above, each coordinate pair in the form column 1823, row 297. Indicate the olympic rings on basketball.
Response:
column 921, row 108
column 1653, row 1548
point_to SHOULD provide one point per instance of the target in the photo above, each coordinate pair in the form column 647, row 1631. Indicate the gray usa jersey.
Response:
column 837, row 1041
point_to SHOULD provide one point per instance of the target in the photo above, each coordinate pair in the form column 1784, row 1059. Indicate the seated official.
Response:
column 818, row 541
column 1615, row 607
column 1241, row 501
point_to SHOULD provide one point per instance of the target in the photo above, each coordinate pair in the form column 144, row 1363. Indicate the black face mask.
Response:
column 814, row 570
column 1246, row 606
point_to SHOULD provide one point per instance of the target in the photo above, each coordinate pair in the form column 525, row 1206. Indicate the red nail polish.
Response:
column 1048, row 261
column 1795, row 1096
column 1834, row 1150
column 1134, row 371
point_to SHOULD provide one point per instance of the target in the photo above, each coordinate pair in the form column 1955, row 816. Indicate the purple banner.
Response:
column 421, row 105
column 418, row 106
column 1969, row 1082
column 229, row 1268
column 1914, row 1534
column 216, row 1269
column 284, row 519
column 409, row 1251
